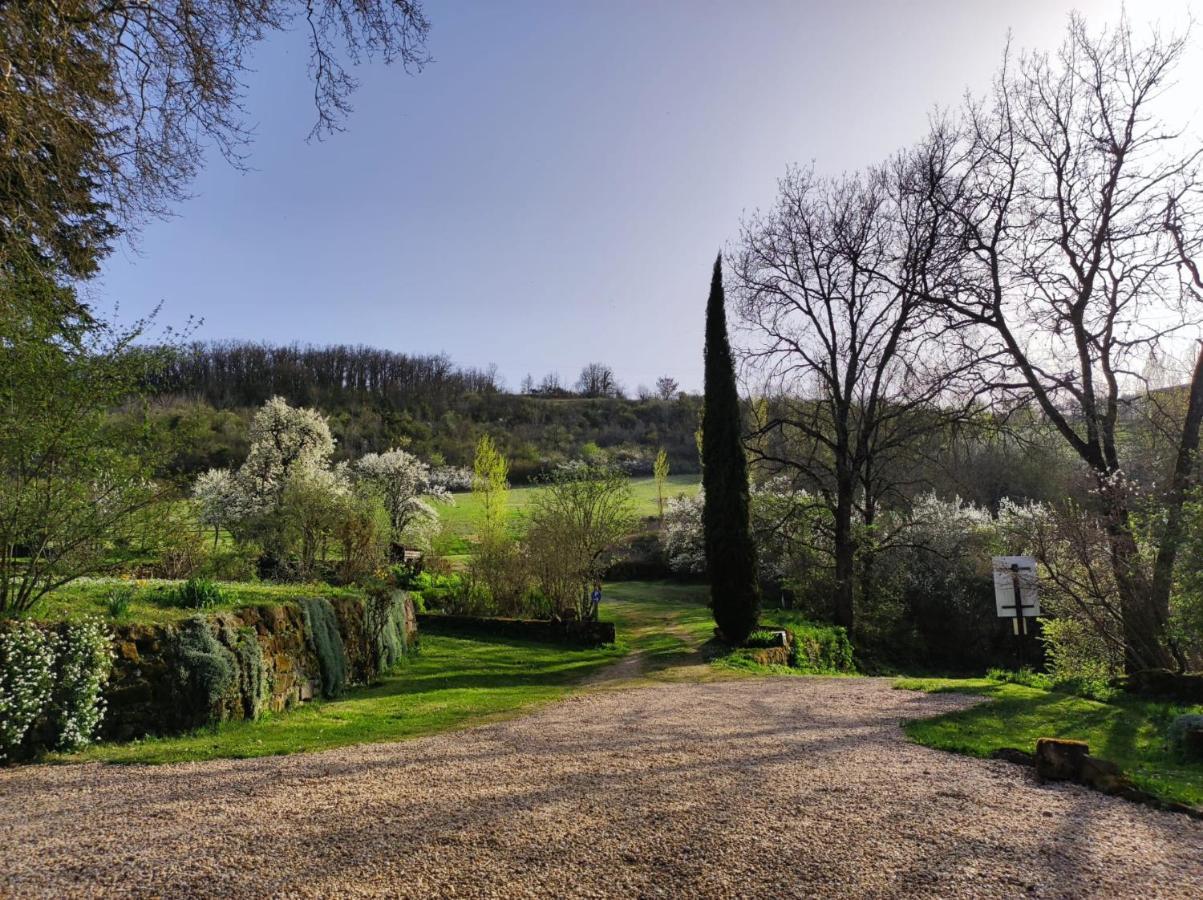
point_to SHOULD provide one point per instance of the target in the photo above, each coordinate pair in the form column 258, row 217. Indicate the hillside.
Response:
column 203, row 397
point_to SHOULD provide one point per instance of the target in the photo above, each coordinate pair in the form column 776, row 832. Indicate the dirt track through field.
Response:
column 780, row 787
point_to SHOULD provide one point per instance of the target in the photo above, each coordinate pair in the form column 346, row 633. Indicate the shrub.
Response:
column 26, row 682
column 240, row 563
column 251, row 670
column 198, row 593
column 384, row 618
column 1077, row 652
column 85, row 658
column 820, row 648
column 324, row 639
column 203, row 671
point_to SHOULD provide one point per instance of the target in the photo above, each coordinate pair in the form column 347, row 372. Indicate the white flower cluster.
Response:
column 26, row 682
column 85, row 661
column 406, row 484
column 38, row 667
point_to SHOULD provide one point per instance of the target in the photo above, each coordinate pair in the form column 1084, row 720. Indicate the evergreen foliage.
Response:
column 203, row 671
column 385, row 618
column 325, row 640
column 254, row 687
column 730, row 554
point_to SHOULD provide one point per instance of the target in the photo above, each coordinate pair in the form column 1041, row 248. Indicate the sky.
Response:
column 553, row 188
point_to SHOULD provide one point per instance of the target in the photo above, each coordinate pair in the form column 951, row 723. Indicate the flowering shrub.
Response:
column 51, row 684
column 682, row 535
column 26, row 682
column 85, row 659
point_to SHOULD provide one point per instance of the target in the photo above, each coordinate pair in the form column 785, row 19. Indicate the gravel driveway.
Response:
column 769, row 787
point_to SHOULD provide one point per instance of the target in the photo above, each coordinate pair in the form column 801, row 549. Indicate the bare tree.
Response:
column 666, row 387
column 829, row 285
column 1063, row 194
column 597, row 380
column 551, row 385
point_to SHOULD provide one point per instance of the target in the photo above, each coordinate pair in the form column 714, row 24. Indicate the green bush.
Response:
column 762, row 638
column 118, row 600
column 240, row 563
column 203, row 671
column 324, row 639
column 197, row 593
column 1177, row 734
column 820, row 648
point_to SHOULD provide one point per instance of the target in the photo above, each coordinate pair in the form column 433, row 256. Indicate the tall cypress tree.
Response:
column 730, row 555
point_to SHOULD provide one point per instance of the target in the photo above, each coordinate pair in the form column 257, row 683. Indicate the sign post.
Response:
column 1015, row 594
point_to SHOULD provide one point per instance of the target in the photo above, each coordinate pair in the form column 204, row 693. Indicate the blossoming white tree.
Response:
column 406, row 484
column 289, row 498
column 284, row 440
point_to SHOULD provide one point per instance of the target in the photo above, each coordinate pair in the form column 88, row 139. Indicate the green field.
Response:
column 452, row 682
column 1129, row 731
column 463, row 516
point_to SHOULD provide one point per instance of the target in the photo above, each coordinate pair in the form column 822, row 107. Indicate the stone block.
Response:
column 1060, row 760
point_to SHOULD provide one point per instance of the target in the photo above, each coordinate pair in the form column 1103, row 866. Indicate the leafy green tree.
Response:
column 730, row 554
column 582, row 512
column 68, row 485
column 490, row 484
column 660, row 472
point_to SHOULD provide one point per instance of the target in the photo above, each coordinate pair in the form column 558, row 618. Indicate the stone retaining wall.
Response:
column 150, row 678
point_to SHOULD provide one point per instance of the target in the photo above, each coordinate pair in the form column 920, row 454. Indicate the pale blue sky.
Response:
column 553, row 189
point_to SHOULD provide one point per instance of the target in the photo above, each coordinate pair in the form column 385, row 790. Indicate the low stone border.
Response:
column 577, row 634
column 1064, row 760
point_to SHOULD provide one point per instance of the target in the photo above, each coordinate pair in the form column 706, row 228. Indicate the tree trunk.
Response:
column 845, row 557
column 1181, row 481
column 1143, row 622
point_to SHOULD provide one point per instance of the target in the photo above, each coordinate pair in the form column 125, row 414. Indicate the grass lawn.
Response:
column 1129, row 731
column 463, row 516
column 451, row 682
column 151, row 599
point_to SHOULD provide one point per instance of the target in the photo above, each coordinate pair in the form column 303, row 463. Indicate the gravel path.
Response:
column 780, row 787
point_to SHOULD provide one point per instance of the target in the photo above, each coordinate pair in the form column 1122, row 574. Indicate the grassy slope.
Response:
column 152, row 599
column 1129, row 731
column 452, row 682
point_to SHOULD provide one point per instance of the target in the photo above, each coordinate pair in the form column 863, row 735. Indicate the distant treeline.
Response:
column 235, row 373
column 205, row 394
